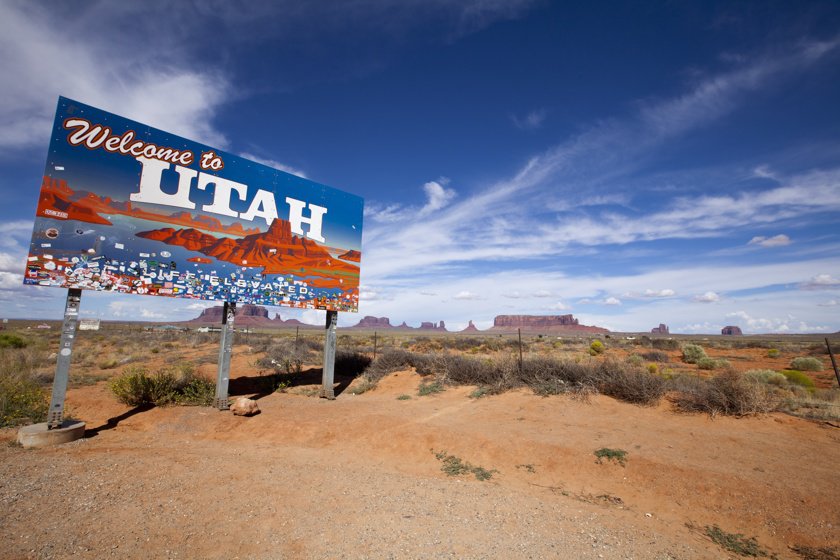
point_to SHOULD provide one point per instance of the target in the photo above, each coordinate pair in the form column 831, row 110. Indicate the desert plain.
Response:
column 391, row 469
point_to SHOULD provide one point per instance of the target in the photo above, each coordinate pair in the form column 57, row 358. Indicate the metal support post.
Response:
column 226, row 343
column 327, row 390
column 55, row 416
column 833, row 362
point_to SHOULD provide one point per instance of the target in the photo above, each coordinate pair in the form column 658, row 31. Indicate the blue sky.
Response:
column 629, row 163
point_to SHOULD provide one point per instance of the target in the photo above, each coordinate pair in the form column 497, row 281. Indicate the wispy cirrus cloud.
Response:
column 517, row 217
column 780, row 240
column 531, row 120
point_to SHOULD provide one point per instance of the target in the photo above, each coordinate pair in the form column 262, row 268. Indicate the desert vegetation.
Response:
column 694, row 374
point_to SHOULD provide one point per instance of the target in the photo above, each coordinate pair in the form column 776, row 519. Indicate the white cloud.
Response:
column 274, row 164
column 44, row 58
column 465, row 294
column 708, row 297
column 776, row 241
column 531, row 121
column 559, row 306
column 664, row 293
column 612, row 301
column 542, row 294
column 437, row 195
column 821, row 282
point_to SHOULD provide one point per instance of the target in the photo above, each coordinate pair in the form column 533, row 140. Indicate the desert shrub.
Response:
column 635, row 360
column 808, row 363
column 693, row 353
column 665, row 344
column 348, row 362
column 617, row 455
column 22, row 399
column 798, row 378
column 711, row 363
column 396, row 360
column 773, row 353
column 767, row 376
column 653, row 368
column 430, row 388
column 549, row 376
column 137, row 387
column 108, row 363
column 596, row 347
column 465, row 370
column 197, row 392
column 727, row 393
column 656, row 356
column 629, row 384
column 11, row 340
column 288, row 355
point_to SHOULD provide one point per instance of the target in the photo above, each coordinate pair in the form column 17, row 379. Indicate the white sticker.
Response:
column 48, row 257
column 59, row 168
column 65, row 351
column 46, row 245
column 144, row 255
column 119, row 246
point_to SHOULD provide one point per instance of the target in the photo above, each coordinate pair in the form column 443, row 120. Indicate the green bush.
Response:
column 766, row 376
column 665, row 344
column 10, row 340
column 22, row 400
column 597, row 347
column 693, row 353
column 773, row 353
column 798, row 378
column 808, row 363
column 706, row 363
column 136, row 386
column 635, row 360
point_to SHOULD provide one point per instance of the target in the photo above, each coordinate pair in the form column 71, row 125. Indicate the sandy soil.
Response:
column 358, row 478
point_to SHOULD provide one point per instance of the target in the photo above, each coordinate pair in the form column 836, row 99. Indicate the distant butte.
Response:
column 545, row 323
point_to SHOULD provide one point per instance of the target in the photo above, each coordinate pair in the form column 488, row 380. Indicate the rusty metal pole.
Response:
column 374, row 345
column 833, row 363
column 520, row 349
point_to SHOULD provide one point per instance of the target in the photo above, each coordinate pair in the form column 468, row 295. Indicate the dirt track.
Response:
column 357, row 478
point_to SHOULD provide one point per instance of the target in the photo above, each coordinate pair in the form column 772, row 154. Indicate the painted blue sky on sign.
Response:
column 630, row 164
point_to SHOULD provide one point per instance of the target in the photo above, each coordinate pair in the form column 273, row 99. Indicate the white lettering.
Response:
column 316, row 215
column 221, row 194
column 263, row 206
column 150, row 190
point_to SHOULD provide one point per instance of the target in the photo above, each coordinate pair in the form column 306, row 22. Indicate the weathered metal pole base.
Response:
column 327, row 390
column 42, row 435
column 55, row 415
column 226, row 344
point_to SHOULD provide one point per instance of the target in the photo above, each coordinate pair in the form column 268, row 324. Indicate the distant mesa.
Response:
column 354, row 256
column 246, row 315
column 370, row 322
column 471, row 328
column 545, row 323
column 731, row 331
column 661, row 329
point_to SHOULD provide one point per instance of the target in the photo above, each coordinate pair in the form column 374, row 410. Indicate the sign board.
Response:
column 88, row 324
column 128, row 208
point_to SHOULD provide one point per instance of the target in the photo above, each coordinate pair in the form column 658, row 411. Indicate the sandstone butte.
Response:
column 351, row 255
column 246, row 315
column 542, row 323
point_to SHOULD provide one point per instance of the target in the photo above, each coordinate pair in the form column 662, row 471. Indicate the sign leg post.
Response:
column 55, row 416
column 225, row 347
column 327, row 390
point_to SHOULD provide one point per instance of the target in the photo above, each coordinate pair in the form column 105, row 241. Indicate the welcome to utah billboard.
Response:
column 128, row 208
